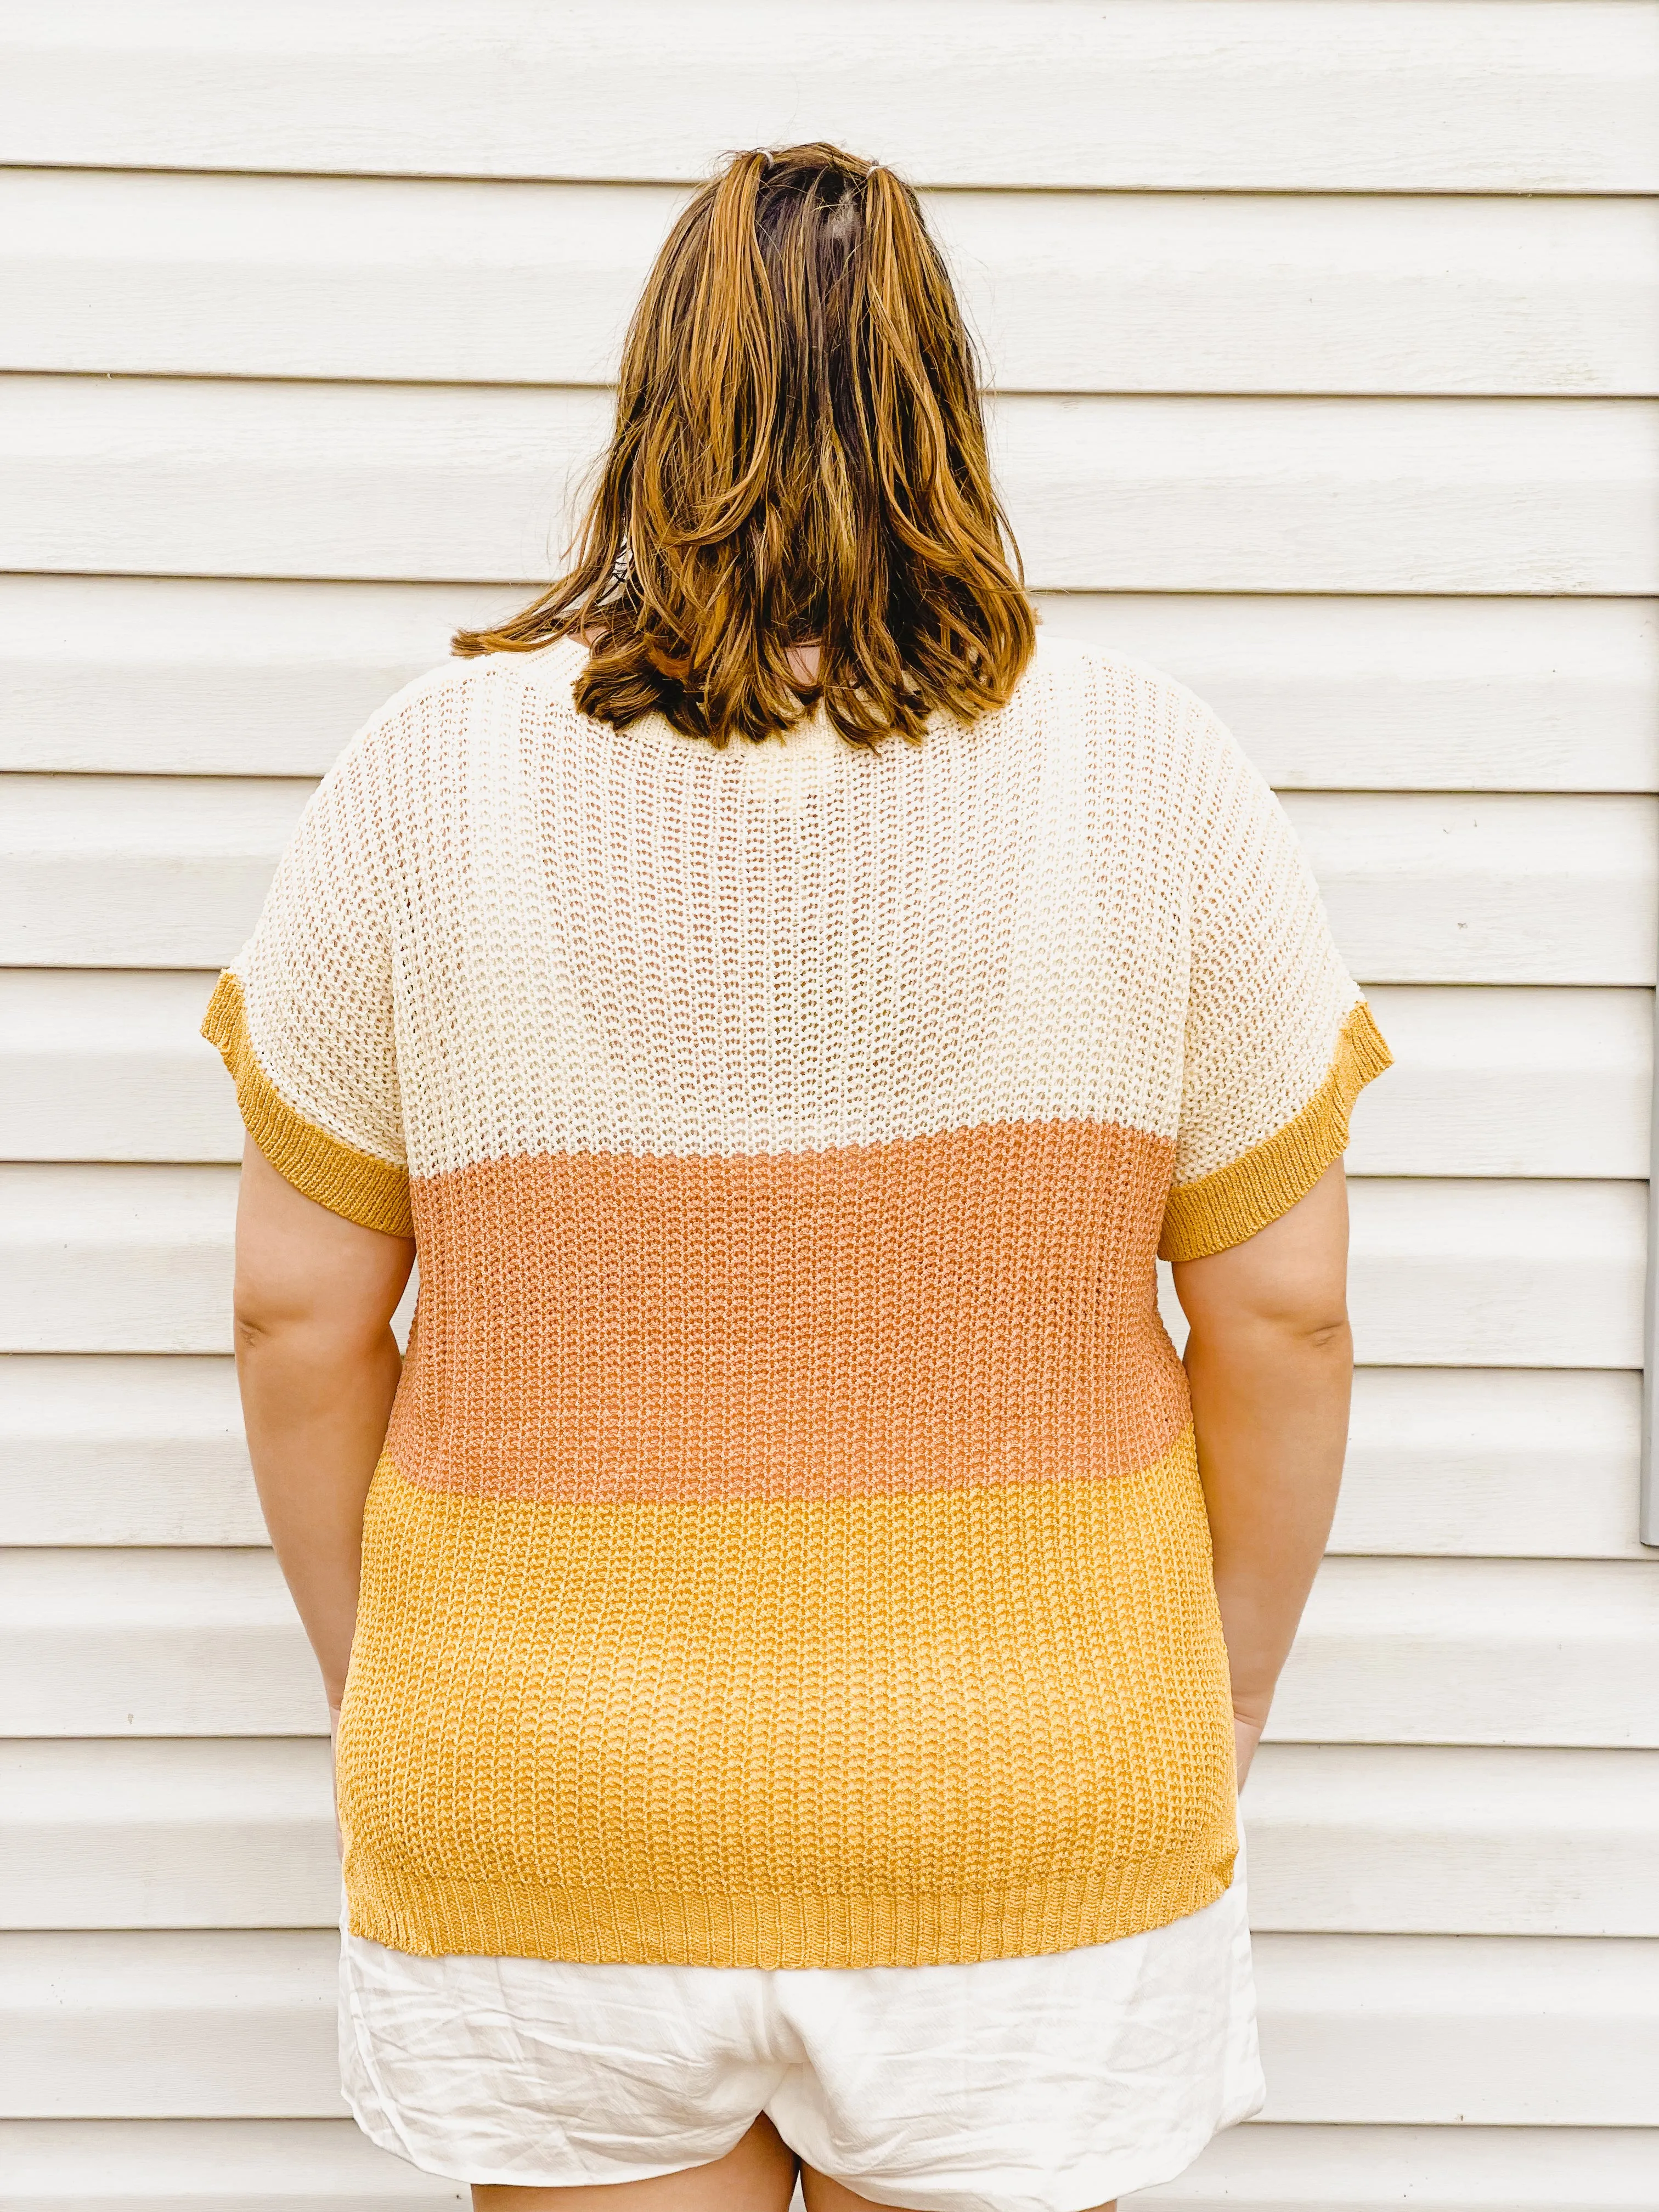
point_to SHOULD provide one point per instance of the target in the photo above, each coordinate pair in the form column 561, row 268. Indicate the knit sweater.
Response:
column 788, row 1547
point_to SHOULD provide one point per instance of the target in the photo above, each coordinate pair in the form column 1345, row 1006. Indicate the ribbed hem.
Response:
column 323, row 1167
column 433, row 1917
column 1225, row 1208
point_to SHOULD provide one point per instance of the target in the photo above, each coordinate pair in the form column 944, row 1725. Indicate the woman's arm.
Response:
column 318, row 1365
column 1270, row 1362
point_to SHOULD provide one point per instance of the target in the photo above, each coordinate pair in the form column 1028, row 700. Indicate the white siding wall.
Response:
column 1326, row 343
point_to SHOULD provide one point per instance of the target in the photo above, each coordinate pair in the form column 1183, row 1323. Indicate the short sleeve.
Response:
column 303, row 1016
column 1278, row 1041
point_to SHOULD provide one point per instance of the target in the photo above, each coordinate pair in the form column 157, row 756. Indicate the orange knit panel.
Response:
column 974, row 1306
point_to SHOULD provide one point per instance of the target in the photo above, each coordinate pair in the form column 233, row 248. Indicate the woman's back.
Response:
column 788, row 1005
column 788, row 1548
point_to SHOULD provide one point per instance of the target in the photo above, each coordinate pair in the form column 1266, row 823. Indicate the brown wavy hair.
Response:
column 798, row 458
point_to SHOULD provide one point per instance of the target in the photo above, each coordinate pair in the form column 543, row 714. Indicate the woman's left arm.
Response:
column 1270, row 1362
column 318, row 1365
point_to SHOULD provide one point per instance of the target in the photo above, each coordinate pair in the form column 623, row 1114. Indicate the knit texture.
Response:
column 788, row 1548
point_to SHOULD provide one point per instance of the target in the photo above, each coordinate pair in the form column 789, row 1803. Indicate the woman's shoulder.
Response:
column 1120, row 699
column 440, row 705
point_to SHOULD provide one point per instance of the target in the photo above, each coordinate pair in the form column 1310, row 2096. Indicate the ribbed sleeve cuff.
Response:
column 1225, row 1208
column 319, row 1165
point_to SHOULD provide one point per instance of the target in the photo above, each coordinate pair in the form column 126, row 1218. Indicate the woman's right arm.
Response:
column 318, row 1365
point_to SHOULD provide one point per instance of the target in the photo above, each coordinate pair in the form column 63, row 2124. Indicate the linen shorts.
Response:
column 1042, row 2084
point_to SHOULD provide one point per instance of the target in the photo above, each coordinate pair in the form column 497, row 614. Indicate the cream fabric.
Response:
column 1097, row 862
column 1040, row 2084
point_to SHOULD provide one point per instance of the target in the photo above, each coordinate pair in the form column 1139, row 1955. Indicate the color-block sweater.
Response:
column 788, row 1548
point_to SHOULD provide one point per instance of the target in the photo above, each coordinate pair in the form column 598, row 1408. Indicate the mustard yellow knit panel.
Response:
column 927, row 1726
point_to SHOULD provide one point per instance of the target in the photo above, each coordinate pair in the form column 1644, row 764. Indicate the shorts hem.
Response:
column 385, row 2137
column 1078, row 2189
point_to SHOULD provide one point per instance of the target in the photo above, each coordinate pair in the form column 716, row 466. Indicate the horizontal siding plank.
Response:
column 1263, row 2168
column 113, row 2024
column 176, row 868
column 1447, row 1274
column 204, row 1833
column 214, row 2166
column 1465, row 1273
column 169, row 871
column 1510, row 1462
column 1501, row 1462
column 192, row 676
column 1229, row 95
column 102, row 1065
column 116, row 1259
column 1369, row 1838
column 1389, row 2029
column 1405, row 694
column 1428, row 890
column 162, row 676
column 153, row 1643
column 123, row 1259
column 264, row 2165
column 188, row 1834
column 405, row 482
column 1518, row 1274
column 506, row 284
column 1459, row 2029
column 1509, row 1082
column 1497, row 1651
column 124, row 1451
column 1411, row 1652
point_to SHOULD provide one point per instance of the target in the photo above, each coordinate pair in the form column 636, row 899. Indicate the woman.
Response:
column 795, row 1627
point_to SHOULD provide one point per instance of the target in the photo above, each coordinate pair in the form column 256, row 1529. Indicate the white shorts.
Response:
column 1013, row 2085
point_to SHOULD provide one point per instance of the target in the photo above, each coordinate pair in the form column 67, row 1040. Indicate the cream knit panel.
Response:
column 503, row 930
column 1270, row 994
column 316, row 975
column 661, row 949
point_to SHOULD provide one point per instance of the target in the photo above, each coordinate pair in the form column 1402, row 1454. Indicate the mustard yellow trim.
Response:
column 1225, row 1208
column 324, row 1167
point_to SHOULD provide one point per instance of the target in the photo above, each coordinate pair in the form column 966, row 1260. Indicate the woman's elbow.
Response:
column 1332, row 1333
column 264, row 1314
column 1254, row 1331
